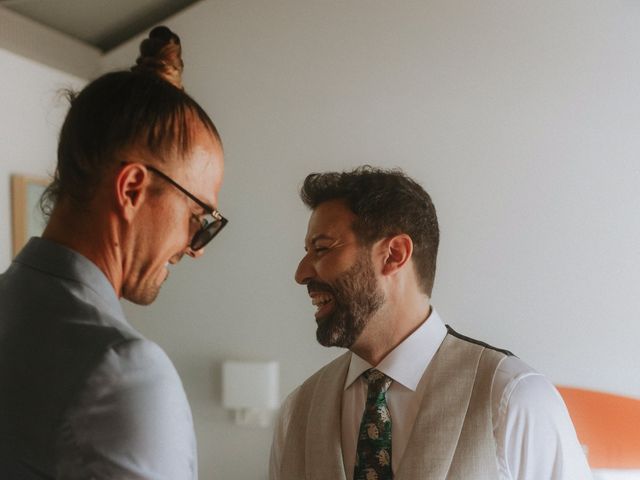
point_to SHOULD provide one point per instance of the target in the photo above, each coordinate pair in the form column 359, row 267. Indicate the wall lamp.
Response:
column 250, row 389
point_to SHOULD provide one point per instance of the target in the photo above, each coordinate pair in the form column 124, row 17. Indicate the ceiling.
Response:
column 105, row 24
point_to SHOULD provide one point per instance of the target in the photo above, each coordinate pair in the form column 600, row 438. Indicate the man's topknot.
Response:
column 161, row 55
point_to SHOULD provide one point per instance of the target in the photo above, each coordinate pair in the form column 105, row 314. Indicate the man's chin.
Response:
column 329, row 334
column 145, row 297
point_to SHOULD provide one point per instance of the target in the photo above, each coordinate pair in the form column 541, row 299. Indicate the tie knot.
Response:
column 377, row 380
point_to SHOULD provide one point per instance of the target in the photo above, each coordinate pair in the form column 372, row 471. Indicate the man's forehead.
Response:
column 204, row 171
column 330, row 219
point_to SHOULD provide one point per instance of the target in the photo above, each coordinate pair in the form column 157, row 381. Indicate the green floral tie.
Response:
column 373, row 454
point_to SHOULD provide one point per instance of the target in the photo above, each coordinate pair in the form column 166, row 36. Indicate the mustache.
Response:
column 315, row 286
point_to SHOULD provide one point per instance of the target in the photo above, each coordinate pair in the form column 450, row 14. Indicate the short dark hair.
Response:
column 386, row 203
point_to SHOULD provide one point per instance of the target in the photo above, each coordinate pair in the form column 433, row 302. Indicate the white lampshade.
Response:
column 250, row 385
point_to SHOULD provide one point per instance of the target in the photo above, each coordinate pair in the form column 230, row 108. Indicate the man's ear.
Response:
column 131, row 184
column 397, row 253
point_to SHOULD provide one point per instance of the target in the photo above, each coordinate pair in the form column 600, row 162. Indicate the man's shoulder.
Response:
column 509, row 371
column 137, row 368
column 480, row 343
column 141, row 354
column 49, row 280
column 66, row 309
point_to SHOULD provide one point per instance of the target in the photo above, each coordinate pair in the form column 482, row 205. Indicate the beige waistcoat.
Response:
column 452, row 437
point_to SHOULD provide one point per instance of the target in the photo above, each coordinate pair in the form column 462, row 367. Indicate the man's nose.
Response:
column 304, row 272
column 194, row 253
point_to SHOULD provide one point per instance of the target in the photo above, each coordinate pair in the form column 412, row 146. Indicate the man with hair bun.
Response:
column 82, row 394
column 411, row 399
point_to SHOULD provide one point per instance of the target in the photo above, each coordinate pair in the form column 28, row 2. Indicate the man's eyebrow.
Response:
column 316, row 238
column 320, row 236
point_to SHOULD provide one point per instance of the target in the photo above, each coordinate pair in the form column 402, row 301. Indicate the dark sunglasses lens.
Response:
column 204, row 236
column 200, row 239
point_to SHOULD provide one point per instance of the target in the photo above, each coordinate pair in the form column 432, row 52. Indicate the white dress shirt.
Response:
column 534, row 435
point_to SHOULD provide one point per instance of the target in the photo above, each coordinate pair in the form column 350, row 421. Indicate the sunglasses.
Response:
column 209, row 228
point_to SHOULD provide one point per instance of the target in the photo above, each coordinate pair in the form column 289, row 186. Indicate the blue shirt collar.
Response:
column 67, row 264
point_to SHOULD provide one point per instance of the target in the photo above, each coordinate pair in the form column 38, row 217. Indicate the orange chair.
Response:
column 609, row 426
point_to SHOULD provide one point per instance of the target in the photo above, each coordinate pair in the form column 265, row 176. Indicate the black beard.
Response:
column 356, row 297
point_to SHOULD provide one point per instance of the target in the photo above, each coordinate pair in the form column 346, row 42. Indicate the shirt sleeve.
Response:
column 280, row 435
column 132, row 420
column 534, row 434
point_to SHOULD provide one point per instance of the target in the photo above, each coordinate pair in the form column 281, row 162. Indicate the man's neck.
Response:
column 90, row 236
column 389, row 328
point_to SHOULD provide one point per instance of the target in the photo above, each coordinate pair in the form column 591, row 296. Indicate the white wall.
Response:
column 30, row 118
column 521, row 118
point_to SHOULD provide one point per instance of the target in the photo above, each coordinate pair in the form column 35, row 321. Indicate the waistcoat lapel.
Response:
column 324, row 435
column 449, row 383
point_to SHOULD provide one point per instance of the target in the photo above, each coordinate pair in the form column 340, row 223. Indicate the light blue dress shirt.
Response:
column 82, row 394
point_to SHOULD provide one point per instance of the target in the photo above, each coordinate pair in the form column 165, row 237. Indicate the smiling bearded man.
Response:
column 411, row 399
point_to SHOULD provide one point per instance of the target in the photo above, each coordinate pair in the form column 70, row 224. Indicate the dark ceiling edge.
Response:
column 34, row 41
column 141, row 26
column 123, row 32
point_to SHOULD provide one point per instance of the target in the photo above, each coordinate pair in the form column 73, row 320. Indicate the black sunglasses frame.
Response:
column 207, row 230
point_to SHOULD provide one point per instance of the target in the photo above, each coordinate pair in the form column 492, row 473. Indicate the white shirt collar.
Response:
column 407, row 362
